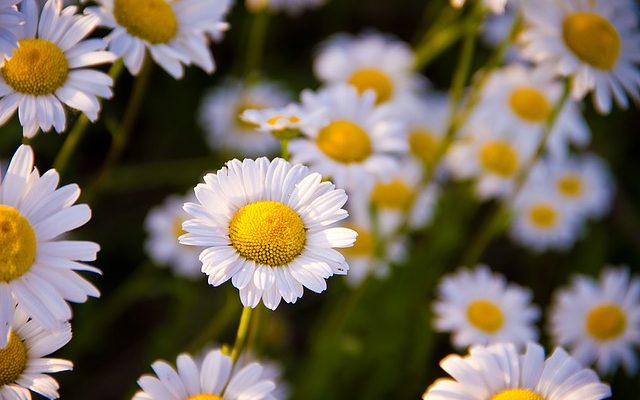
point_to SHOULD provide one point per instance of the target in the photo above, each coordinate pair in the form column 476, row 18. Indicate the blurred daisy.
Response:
column 38, row 272
column 599, row 321
column 271, row 370
column 211, row 379
column 49, row 68
column 596, row 43
column 520, row 99
column 294, row 7
column 359, row 142
column 492, row 157
column 23, row 365
column 11, row 21
column 499, row 372
column 542, row 221
column 496, row 6
column 496, row 29
column 266, row 226
column 164, row 227
column 174, row 31
column 283, row 122
column 479, row 308
column 221, row 116
column 371, row 61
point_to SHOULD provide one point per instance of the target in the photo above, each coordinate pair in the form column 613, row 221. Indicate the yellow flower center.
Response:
column 499, row 158
column 204, row 396
column 13, row 360
column 517, row 394
column 151, row 20
column 423, row 145
column 364, row 245
column 606, row 322
column 277, row 118
column 395, row 194
column 268, row 232
column 543, row 216
column 592, row 38
column 38, row 67
column 17, row 244
column 530, row 104
column 485, row 316
column 570, row 186
column 344, row 142
column 177, row 227
column 373, row 79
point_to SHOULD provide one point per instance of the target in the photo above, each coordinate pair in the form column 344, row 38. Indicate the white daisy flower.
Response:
column 271, row 370
column 284, row 122
column 519, row 99
column 294, row 7
column 174, row 31
column 266, row 226
column 371, row 61
column 496, row 6
column 360, row 141
column 38, row 271
column 164, row 227
column 479, row 307
column 221, row 116
column 499, row 372
column 596, row 43
column 494, row 158
column 11, row 21
column 23, row 362
column 49, row 68
column 211, row 379
column 599, row 321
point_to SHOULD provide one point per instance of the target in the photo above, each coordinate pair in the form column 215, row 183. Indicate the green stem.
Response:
column 259, row 25
column 80, row 128
column 284, row 149
column 241, row 335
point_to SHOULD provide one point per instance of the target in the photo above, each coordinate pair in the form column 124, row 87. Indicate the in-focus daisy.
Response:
column 496, row 6
column 284, row 122
column 599, row 321
column 49, row 68
column 221, row 117
column 266, row 225
column 11, row 20
column 520, row 99
column 164, row 227
column 499, row 372
column 294, row 7
column 174, row 31
column 23, row 362
column 211, row 379
column 371, row 61
column 479, row 307
column 38, row 271
column 359, row 141
column 596, row 43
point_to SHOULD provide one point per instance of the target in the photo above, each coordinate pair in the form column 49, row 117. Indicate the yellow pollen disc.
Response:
column 38, row 67
column 606, row 322
column 592, row 38
column 517, row 394
column 177, row 227
column 151, row 20
column 13, row 360
column 423, row 145
column 268, row 232
column 395, row 194
column 291, row 119
column 373, row 79
column 543, row 216
column 364, row 245
column 345, row 142
column 485, row 316
column 570, row 186
column 204, row 396
column 530, row 104
column 17, row 244
column 499, row 158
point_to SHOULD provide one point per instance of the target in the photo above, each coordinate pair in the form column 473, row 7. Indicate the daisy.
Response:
column 520, row 99
column 23, row 365
column 499, row 372
column 37, row 270
column 221, row 116
column 211, row 379
column 283, row 122
column 174, row 31
column 359, row 141
column 596, row 43
column 496, row 6
column 49, row 68
column 294, row 7
column 599, row 321
column 479, row 307
column 11, row 21
column 371, row 61
column 266, row 225
column 164, row 227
